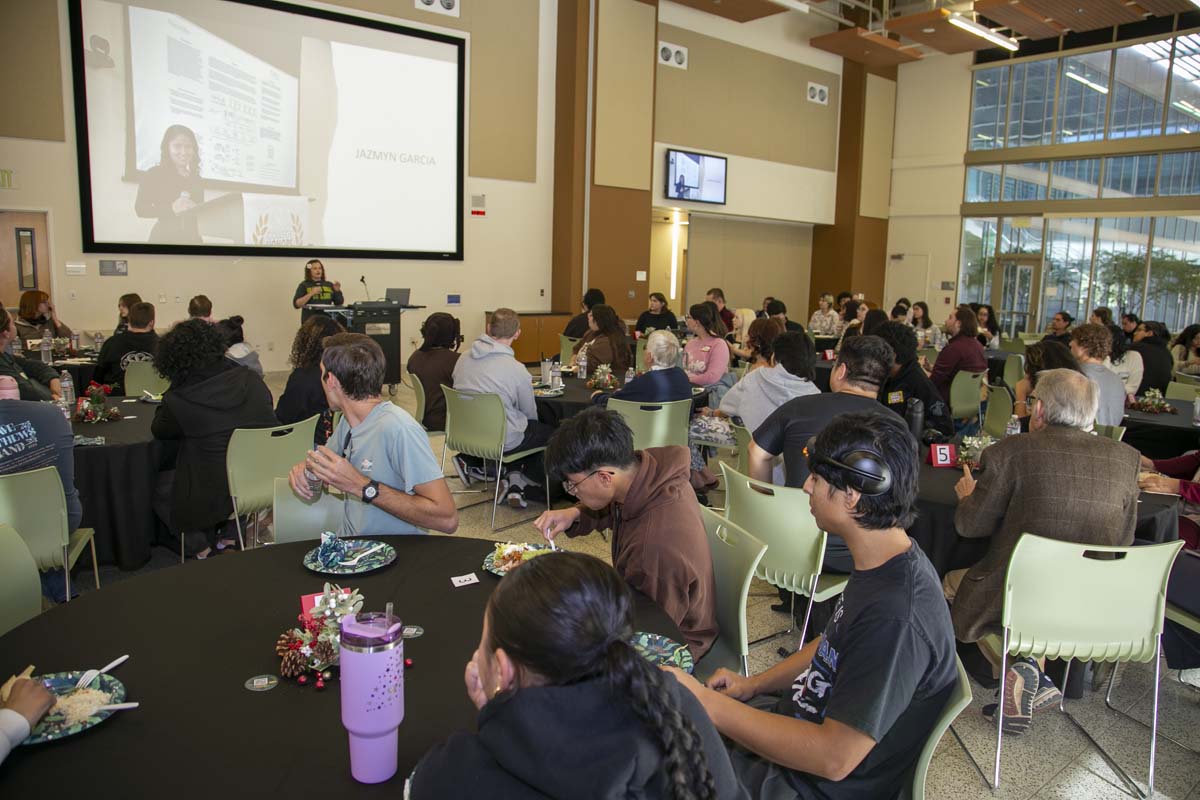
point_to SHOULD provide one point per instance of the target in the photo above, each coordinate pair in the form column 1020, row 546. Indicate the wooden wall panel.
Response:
column 619, row 246
column 31, row 71
column 625, row 42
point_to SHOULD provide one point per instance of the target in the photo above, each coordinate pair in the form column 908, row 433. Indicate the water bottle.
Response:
column 582, row 363
column 74, row 344
column 47, row 350
column 64, row 407
column 17, row 350
column 98, row 341
column 372, row 667
column 1014, row 426
column 1196, row 411
column 914, row 415
column 315, row 484
column 556, row 375
column 68, row 388
column 630, row 374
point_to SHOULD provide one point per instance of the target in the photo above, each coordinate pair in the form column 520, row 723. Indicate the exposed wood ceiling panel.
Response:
column 1085, row 15
column 864, row 47
column 736, row 10
column 1020, row 18
column 932, row 29
column 1163, row 8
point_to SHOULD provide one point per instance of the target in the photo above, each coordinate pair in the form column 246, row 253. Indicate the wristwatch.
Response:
column 370, row 492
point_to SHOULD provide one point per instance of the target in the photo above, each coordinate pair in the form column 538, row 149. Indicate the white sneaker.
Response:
column 516, row 497
column 1191, row 677
column 464, row 472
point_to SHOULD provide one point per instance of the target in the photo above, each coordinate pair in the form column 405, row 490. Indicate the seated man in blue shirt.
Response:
column 378, row 456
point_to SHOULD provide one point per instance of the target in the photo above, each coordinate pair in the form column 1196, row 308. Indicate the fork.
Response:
column 92, row 674
column 353, row 561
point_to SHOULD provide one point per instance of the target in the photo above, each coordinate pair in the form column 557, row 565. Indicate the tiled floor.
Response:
column 1052, row 760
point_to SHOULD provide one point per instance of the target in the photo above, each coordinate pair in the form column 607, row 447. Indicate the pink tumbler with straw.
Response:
column 372, row 679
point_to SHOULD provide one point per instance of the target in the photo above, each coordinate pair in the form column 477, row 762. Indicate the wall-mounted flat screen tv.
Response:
column 695, row 177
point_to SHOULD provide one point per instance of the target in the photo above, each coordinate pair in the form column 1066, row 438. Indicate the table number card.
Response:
column 828, row 355
column 460, row 581
column 943, row 455
column 308, row 602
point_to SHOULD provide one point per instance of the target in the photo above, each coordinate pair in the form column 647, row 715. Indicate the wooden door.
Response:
column 24, row 255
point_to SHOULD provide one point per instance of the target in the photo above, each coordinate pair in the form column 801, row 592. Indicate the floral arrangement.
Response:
column 603, row 378
column 972, row 447
column 314, row 646
column 60, row 347
column 93, row 406
column 1153, row 403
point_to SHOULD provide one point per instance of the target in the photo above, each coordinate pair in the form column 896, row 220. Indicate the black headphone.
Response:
column 862, row 470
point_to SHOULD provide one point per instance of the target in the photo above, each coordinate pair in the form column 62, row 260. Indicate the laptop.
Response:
column 398, row 296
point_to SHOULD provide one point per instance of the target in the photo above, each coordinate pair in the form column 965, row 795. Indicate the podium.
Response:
column 379, row 320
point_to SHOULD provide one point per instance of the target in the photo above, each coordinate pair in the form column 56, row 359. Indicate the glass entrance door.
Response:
column 1013, row 292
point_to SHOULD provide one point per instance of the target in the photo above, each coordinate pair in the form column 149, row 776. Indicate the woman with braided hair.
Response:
column 567, row 708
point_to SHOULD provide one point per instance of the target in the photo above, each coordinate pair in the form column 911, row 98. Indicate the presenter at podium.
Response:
column 315, row 289
column 172, row 188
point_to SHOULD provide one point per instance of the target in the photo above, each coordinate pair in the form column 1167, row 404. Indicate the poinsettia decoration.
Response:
column 1153, row 402
column 316, row 643
column 93, row 406
column 602, row 378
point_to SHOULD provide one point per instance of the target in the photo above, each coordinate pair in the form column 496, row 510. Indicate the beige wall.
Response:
column 876, row 178
column 30, row 72
column 507, row 253
column 933, row 99
column 749, row 260
column 624, row 93
column 660, row 262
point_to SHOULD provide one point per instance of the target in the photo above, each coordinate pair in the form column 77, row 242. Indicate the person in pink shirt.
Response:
column 706, row 357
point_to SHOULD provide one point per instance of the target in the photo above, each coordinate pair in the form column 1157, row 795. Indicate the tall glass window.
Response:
column 1173, row 294
column 978, row 259
column 1129, row 176
column 1025, row 181
column 989, row 102
column 1121, row 264
column 983, row 184
column 1066, row 267
column 1031, row 112
column 1138, row 89
column 1180, row 174
column 1083, row 97
column 1075, row 179
column 1183, row 115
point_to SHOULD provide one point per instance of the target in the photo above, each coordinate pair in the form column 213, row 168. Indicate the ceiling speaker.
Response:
column 672, row 55
column 447, row 7
column 817, row 93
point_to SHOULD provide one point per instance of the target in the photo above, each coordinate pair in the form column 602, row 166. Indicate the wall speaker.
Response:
column 672, row 55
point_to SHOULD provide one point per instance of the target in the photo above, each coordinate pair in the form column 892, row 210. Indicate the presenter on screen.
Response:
column 315, row 289
column 172, row 188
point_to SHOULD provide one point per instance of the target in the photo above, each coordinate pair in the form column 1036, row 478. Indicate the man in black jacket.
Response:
column 1150, row 340
column 35, row 380
column 578, row 326
column 907, row 380
column 138, row 343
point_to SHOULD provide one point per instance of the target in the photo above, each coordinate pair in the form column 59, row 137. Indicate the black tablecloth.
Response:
column 821, row 374
column 576, row 397
column 822, row 343
column 1158, row 521
column 996, row 360
column 197, row 632
column 1161, row 435
column 116, row 483
column 81, row 374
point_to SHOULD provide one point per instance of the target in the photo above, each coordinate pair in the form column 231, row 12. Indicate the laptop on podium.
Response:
column 398, row 296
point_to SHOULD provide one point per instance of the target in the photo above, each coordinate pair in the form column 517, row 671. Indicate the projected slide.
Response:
column 695, row 176
column 219, row 126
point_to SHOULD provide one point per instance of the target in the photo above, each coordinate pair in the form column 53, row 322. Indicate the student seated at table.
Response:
column 138, row 342
column 777, row 310
column 124, row 303
column 848, row 714
column 1179, row 476
column 36, row 435
column 706, row 356
column 1091, row 344
column 490, row 367
column 604, row 342
column 200, row 307
column 854, row 314
column 825, row 321
column 378, row 456
column 433, row 365
column 1150, row 341
column 1125, row 362
column 237, row 349
column 662, row 382
column 962, row 352
column 716, row 296
column 659, row 545
column 35, row 380
column 304, row 394
column 27, row 702
column 756, row 347
column 567, row 708
column 1039, row 357
column 658, row 317
column 37, row 317
column 906, row 380
column 928, row 334
column 989, row 327
column 1058, row 481
column 210, row 396
column 873, row 319
column 578, row 325
column 861, row 368
column 1060, row 329
column 1185, row 350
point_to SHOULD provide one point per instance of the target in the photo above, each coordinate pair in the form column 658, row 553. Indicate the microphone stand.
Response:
column 363, row 280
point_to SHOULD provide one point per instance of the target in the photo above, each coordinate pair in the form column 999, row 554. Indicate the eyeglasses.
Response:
column 570, row 486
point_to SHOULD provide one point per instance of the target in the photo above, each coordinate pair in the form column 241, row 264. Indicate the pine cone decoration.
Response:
column 283, row 644
column 293, row 664
column 324, row 653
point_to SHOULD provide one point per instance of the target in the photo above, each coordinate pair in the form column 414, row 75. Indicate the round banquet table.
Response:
column 195, row 633
column 116, row 482
column 576, row 397
column 80, row 370
column 1157, row 520
column 1161, row 435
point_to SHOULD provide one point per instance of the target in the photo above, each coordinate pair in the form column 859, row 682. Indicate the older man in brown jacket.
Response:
column 1058, row 481
column 659, row 545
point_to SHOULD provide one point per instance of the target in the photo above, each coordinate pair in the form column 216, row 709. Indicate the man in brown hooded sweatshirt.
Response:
column 658, row 542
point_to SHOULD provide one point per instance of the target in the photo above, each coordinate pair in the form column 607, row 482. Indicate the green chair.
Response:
column 965, row 391
column 743, row 437
column 34, row 505
column 958, row 701
column 930, row 354
column 999, row 412
column 740, row 371
column 655, row 424
column 1181, row 617
column 780, row 518
column 141, row 376
column 1029, row 337
column 639, row 355
column 1014, row 370
column 1185, row 378
column 1062, row 602
column 1182, row 391
column 20, row 588
column 254, row 459
column 298, row 520
column 565, row 347
column 419, row 391
column 1114, row 432
column 735, row 555
column 1012, row 346
column 476, row 426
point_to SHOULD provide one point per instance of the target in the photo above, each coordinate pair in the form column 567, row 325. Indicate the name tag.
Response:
column 895, row 398
column 706, row 348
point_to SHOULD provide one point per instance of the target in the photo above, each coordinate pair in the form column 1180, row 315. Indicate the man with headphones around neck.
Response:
column 847, row 715
column 862, row 366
